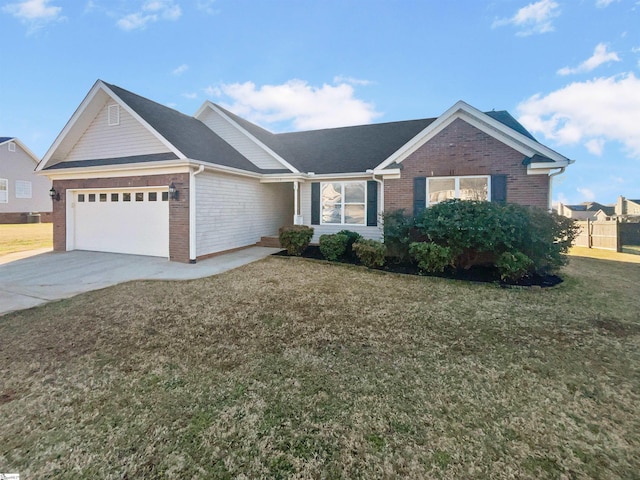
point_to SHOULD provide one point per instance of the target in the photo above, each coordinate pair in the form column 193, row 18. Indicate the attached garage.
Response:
column 131, row 220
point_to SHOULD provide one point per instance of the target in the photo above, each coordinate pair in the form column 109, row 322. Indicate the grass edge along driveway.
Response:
column 291, row 368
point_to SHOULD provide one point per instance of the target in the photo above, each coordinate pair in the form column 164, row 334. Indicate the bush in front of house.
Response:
column 370, row 252
column 431, row 257
column 333, row 246
column 515, row 239
column 352, row 237
column 398, row 229
column 295, row 238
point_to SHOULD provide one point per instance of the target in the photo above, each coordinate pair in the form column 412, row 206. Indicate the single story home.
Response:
column 133, row 176
column 24, row 195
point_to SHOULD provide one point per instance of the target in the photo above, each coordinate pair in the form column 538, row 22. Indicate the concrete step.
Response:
column 273, row 242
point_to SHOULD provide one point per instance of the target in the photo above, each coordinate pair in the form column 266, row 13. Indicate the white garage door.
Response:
column 134, row 221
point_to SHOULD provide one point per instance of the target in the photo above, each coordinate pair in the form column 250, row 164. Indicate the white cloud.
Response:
column 587, row 194
column 604, row 3
column 351, row 80
column 600, row 56
column 206, row 6
column 190, row 95
column 592, row 112
column 305, row 106
column 180, row 70
column 150, row 12
column 534, row 18
column 34, row 13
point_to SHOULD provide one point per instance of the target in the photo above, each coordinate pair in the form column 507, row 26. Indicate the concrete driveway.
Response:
column 38, row 279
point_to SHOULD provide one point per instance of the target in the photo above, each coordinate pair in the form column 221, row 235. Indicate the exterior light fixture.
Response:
column 173, row 193
column 54, row 195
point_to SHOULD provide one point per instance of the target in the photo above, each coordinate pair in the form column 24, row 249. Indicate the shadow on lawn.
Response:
column 474, row 274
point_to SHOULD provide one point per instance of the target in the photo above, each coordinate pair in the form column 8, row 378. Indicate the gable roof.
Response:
column 24, row 148
column 354, row 149
column 5, row 139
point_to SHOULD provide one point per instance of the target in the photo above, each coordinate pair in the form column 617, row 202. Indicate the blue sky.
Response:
column 568, row 70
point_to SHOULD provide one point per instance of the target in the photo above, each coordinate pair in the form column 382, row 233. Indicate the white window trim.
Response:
column 342, row 203
column 457, row 185
column 25, row 185
column 12, row 146
column 5, row 182
column 113, row 115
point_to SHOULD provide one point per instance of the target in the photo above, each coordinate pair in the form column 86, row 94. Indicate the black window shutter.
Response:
column 419, row 194
column 372, row 203
column 315, row 203
column 499, row 188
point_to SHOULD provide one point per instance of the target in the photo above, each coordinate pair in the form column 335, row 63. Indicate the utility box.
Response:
column 33, row 218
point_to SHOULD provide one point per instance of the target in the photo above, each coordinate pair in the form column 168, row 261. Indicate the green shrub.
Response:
column 397, row 234
column 333, row 246
column 295, row 238
column 431, row 257
column 478, row 233
column 370, row 252
column 513, row 266
column 353, row 237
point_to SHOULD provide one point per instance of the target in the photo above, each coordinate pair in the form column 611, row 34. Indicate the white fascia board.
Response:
column 277, row 157
column 109, row 171
column 224, row 169
column 282, row 177
column 143, row 122
column 483, row 122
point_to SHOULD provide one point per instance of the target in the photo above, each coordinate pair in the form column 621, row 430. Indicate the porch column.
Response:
column 297, row 220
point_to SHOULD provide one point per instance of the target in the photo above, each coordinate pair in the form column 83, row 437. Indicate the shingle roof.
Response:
column 5, row 139
column 505, row 118
column 156, row 157
column 188, row 134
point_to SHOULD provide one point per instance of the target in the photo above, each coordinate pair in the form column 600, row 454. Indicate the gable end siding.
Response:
column 461, row 149
column 126, row 139
column 238, row 140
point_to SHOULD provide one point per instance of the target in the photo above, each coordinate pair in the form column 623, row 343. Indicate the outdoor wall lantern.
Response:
column 54, row 195
column 173, row 193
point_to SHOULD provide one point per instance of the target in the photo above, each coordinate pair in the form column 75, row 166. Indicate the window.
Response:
column 114, row 115
column 153, row 196
column 12, row 147
column 165, row 196
column 4, row 190
column 343, row 203
column 23, row 189
column 115, row 197
column 92, row 197
column 440, row 189
column 126, row 197
column 139, row 197
column 81, row 197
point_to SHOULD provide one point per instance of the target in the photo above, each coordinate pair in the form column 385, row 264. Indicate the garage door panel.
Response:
column 118, row 226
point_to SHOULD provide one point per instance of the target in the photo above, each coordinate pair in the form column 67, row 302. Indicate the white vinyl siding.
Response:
column 374, row 233
column 238, row 140
column 128, row 138
column 234, row 211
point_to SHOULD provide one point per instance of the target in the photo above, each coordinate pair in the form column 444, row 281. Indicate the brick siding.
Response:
column 178, row 209
column 23, row 217
column 462, row 149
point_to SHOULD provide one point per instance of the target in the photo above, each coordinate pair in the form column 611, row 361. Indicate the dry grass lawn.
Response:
column 293, row 368
column 23, row 237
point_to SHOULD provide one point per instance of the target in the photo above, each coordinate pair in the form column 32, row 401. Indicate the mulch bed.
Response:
column 474, row 274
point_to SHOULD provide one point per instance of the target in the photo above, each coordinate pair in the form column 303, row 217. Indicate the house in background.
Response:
column 24, row 195
column 588, row 211
column 627, row 208
column 133, row 176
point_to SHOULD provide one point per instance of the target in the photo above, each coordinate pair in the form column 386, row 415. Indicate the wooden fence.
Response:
column 607, row 235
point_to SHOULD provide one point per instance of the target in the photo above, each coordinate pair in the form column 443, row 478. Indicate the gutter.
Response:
column 559, row 172
column 192, row 213
column 381, row 202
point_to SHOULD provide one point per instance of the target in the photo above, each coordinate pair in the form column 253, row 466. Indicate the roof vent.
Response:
column 12, row 146
column 114, row 115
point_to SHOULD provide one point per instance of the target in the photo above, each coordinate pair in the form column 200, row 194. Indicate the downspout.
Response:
column 559, row 172
column 192, row 213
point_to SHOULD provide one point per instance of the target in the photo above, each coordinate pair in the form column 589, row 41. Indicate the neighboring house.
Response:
column 588, row 211
column 119, row 158
column 23, row 194
column 627, row 208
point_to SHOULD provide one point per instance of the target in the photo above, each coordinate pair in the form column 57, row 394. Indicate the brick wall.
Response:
column 462, row 149
column 178, row 209
column 23, row 217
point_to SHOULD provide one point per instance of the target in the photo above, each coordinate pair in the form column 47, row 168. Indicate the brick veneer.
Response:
column 462, row 149
column 23, row 217
column 178, row 209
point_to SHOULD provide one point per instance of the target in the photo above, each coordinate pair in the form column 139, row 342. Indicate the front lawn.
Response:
column 294, row 368
column 27, row 236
